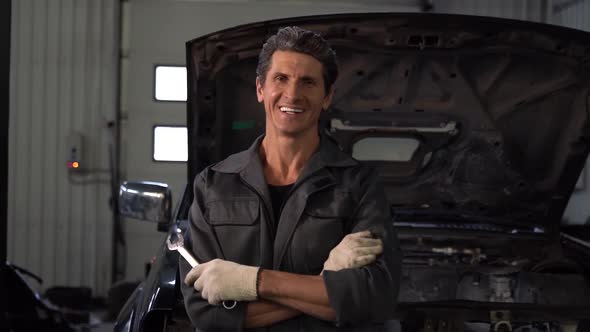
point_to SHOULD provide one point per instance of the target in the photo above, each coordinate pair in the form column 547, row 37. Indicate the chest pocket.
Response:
column 233, row 212
column 323, row 225
column 330, row 205
column 237, row 227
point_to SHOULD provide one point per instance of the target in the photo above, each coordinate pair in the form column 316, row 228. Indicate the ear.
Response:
column 259, row 91
column 328, row 98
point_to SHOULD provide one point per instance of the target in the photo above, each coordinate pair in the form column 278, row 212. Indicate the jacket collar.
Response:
column 329, row 155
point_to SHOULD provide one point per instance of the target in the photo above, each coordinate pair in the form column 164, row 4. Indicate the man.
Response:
column 296, row 231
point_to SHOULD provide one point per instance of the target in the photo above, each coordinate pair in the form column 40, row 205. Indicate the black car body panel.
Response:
column 498, row 111
column 24, row 309
column 156, row 297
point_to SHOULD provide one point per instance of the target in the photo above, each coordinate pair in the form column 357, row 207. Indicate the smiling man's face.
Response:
column 293, row 94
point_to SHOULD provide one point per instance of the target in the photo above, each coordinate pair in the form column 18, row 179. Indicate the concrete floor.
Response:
column 97, row 324
column 103, row 327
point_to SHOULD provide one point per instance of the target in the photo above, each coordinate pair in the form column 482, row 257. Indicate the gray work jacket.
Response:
column 335, row 195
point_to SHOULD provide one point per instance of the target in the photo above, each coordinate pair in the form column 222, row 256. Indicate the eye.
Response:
column 280, row 78
column 308, row 82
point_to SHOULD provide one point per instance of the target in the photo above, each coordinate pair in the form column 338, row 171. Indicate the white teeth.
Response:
column 290, row 110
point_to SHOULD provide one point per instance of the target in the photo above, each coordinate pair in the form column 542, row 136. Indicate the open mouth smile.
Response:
column 289, row 110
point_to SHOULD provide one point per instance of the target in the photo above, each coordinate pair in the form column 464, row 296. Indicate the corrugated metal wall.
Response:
column 63, row 79
column 531, row 10
column 572, row 13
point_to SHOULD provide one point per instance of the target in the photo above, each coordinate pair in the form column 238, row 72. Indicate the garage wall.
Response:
column 63, row 80
column 530, row 10
column 572, row 13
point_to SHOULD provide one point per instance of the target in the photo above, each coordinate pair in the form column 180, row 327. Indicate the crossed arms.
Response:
column 274, row 295
column 357, row 286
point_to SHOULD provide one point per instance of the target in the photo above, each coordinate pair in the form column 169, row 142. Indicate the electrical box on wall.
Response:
column 75, row 152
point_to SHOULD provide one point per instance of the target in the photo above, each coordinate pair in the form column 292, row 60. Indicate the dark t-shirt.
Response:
column 278, row 196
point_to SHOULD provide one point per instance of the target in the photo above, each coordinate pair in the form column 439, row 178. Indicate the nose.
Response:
column 293, row 91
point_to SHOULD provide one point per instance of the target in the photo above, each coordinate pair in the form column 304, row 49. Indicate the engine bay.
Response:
column 458, row 280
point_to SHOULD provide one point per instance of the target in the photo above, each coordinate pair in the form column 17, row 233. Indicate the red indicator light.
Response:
column 73, row 164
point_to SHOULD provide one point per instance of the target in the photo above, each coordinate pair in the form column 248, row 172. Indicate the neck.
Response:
column 284, row 157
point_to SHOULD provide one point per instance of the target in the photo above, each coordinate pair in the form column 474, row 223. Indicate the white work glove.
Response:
column 219, row 280
column 355, row 250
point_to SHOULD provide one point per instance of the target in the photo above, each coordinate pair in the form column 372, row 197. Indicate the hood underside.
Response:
column 498, row 108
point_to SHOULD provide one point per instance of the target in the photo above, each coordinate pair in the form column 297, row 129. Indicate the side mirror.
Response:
column 150, row 201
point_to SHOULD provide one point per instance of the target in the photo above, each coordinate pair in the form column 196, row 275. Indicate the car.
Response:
column 479, row 128
column 29, row 310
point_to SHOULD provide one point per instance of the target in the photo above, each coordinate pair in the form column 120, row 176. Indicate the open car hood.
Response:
column 492, row 113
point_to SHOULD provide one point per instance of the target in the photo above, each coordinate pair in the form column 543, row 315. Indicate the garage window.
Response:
column 170, row 143
column 170, row 83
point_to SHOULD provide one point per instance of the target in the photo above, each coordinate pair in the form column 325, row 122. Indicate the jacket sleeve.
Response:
column 368, row 294
column 202, row 243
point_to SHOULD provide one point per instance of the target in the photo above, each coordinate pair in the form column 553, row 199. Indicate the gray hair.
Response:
column 299, row 40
